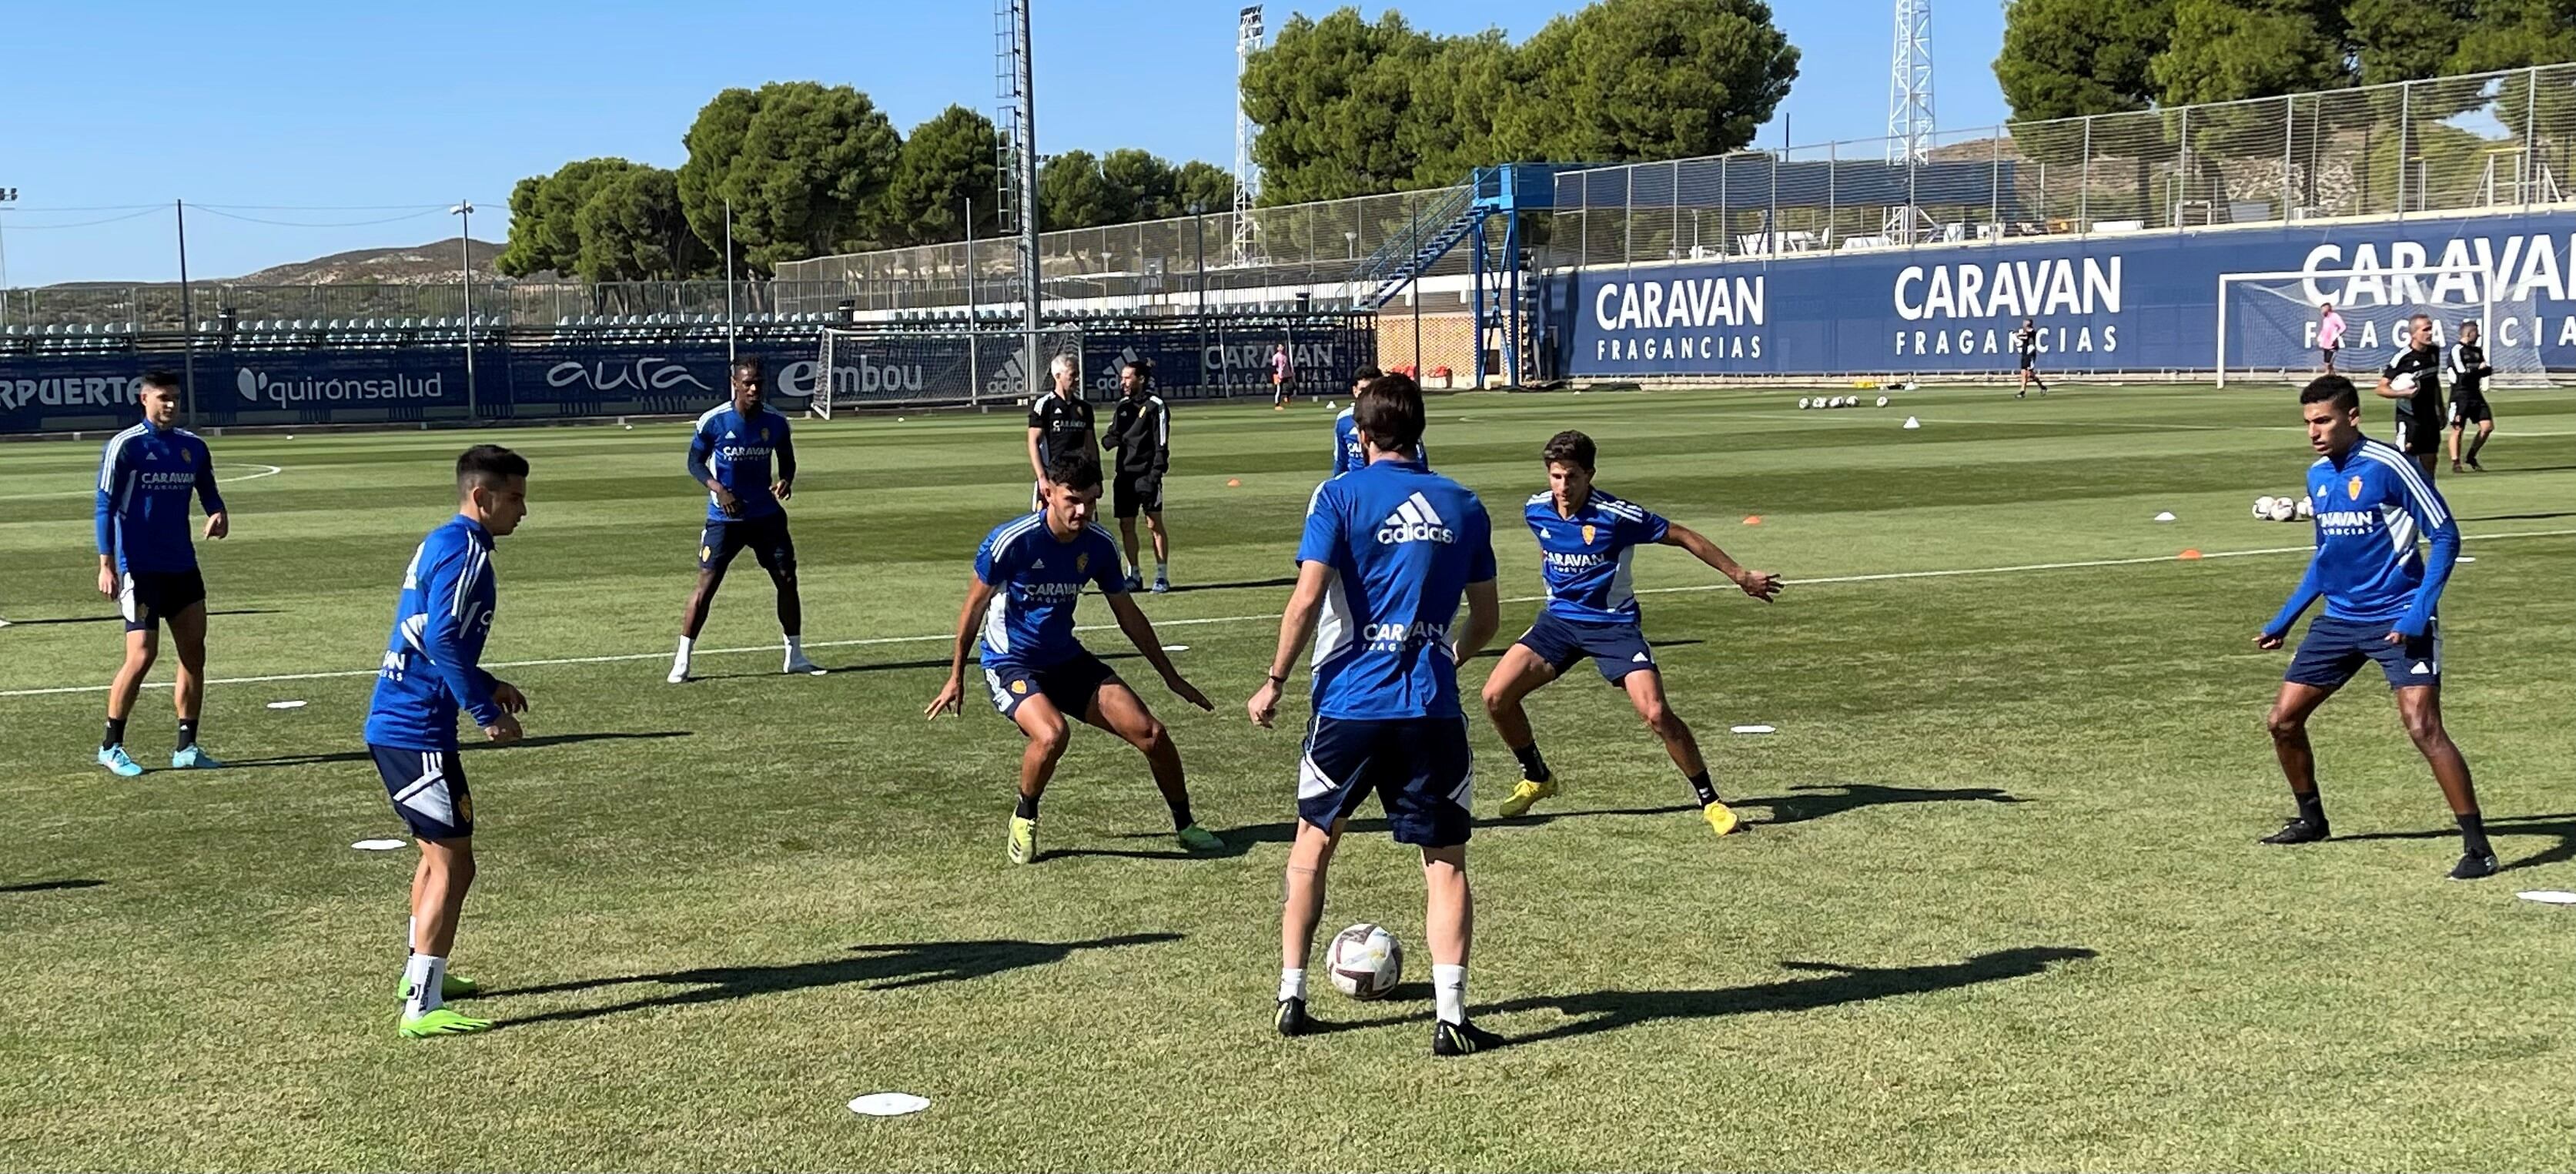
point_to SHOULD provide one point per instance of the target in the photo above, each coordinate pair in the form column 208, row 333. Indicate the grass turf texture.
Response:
column 2000, row 905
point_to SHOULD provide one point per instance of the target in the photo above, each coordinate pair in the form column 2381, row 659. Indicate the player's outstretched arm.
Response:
column 1296, row 626
column 1762, row 585
column 952, row 696
column 1140, row 632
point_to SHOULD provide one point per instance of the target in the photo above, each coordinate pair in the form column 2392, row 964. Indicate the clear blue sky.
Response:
column 393, row 111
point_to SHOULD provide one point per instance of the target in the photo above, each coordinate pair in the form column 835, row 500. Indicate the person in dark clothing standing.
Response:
column 2414, row 380
column 1140, row 432
column 2469, row 371
column 1059, row 423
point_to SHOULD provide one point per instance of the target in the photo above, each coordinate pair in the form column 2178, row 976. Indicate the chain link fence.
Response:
column 2476, row 143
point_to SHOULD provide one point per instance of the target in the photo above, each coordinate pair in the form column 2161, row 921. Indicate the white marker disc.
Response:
column 1754, row 730
column 286, row 705
column 2548, row 896
column 1176, row 648
column 888, row 1104
column 377, row 845
column 2467, row 558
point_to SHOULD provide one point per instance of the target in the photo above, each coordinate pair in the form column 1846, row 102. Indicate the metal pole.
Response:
column 1414, row 290
column 2084, row 183
column 1198, row 227
column 2289, row 135
column 7, row 196
column 465, row 266
column 974, row 361
column 2405, row 113
column 188, row 334
column 729, row 311
column 2530, row 139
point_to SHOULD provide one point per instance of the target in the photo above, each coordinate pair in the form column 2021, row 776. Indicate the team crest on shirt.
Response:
column 465, row 808
column 2352, row 488
column 1021, row 687
column 187, row 456
column 705, row 553
column 1587, row 534
column 1082, row 563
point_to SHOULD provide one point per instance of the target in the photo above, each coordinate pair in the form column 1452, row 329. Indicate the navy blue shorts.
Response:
column 1070, row 684
column 1421, row 768
column 1616, row 649
column 2336, row 649
column 766, row 537
column 428, row 790
column 146, row 598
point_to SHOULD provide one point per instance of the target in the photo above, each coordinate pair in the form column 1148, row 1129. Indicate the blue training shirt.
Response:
column 1347, row 453
column 145, row 477
column 2372, row 507
column 1584, row 558
column 738, row 451
column 440, row 622
column 1037, row 579
column 1404, row 543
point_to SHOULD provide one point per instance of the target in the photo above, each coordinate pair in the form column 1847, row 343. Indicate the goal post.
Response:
column 2267, row 321
column 901, row 365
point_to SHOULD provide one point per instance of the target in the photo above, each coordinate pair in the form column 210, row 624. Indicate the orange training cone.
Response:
column 1752, row 519
column 2192, row 553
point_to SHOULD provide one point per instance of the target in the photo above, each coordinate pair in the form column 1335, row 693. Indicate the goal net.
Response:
column 2268, row 322
column 890, row 366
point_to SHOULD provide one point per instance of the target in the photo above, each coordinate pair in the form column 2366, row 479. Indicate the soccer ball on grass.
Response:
column 1365, row 961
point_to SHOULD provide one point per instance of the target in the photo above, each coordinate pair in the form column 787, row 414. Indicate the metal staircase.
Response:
column 1437, row 229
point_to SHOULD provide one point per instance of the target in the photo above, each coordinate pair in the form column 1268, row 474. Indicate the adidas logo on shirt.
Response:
column 1414, row 521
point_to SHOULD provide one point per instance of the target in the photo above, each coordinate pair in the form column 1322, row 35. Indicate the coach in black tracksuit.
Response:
column 1140, row 432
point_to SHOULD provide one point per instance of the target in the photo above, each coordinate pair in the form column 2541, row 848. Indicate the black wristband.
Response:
column 1278, row 679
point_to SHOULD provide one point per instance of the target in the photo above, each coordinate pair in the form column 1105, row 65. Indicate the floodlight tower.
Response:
column 1909, row 107
column 1018, row 171
column 1247, row 174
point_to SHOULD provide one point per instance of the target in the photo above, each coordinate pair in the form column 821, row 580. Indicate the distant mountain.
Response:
column 434, row 263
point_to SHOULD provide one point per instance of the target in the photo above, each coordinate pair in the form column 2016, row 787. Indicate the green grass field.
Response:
column 2000, row 906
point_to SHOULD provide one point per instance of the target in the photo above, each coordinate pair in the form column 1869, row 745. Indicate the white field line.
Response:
column 1273, row 617
column 264, row 471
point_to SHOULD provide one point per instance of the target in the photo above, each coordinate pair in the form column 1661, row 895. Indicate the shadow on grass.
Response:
column 539, row 740
column 974, row 680
column 1600, row 1011
column 1240, row 840
column 1242, row 585
column 2561, row 825
column 50, row 886
column 1810, row 801
column 892, row 966
column 2523, row 517
column 118, row 619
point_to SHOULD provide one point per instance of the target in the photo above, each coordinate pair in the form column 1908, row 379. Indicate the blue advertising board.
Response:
column 2110, row 303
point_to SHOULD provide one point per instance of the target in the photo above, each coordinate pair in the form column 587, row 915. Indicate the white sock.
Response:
column 1292, row 984
column 425, row 973
column 1449, row 989
column 411, row 936
column 681, row 659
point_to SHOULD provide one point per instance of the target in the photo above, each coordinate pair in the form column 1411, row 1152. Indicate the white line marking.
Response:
column 264, row 471
column 878, row 641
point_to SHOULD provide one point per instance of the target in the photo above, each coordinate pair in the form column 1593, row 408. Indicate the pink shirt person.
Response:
column 2329, row 329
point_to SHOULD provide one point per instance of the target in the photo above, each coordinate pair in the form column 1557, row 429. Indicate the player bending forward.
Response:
column 1388, row 552
column 2380, row 594
column 732, row 454
column 1029, row 573
column 440, row 623
column 1586, row 539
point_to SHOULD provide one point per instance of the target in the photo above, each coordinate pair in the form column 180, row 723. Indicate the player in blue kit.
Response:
column 1388, row 553
column 733, row 453
column 147, row 564
column 1585, row 540
column 430, row 672
column 2373, row 505
column 1347, row 453
column 1029, row 574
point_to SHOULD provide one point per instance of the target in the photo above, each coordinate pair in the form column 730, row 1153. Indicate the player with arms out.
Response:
column 2026, row 344
column 1347, row 453
column 2380, row 593
column 148, row 565
column 2469, row 372
column 1059, row 424
column 736, row 446
column 1029, row 573
column 2414, row 380
column 1140, row 432
column 431, row 671
column 1388, row 553
column 2329, row 334
column 1586, row 538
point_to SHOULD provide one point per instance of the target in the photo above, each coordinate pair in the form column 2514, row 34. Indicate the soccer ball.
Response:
column 2306, row 509
column 2402, row 383
column 1802, row 402
column 1365, row 962
column 2263, row 506
column 2283, row 509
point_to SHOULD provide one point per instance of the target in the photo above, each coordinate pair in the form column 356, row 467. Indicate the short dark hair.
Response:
column 1365, row 374
column 488, row 466
column 2333, row 389
column 745, row 363
column 1568, row 448
column 162, row 379
column 1142, row 366
column 1073, row 470
column 1389, row 410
